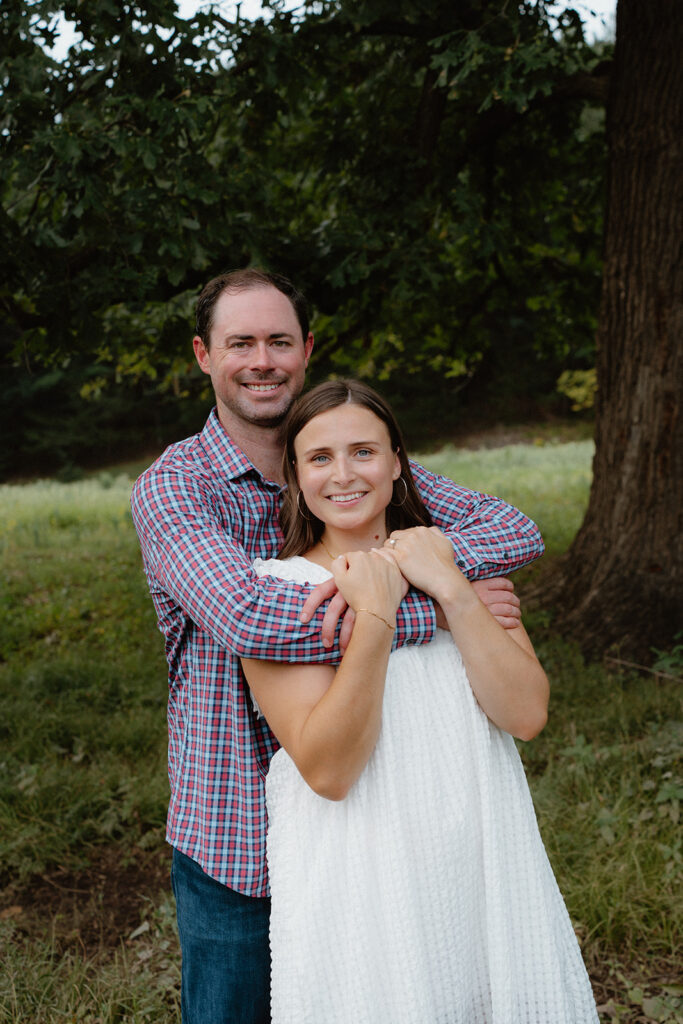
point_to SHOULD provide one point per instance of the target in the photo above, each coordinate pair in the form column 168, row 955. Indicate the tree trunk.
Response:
column 621, row 584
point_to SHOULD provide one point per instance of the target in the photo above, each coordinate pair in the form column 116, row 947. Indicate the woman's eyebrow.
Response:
column 353, row 444
column 315, row 451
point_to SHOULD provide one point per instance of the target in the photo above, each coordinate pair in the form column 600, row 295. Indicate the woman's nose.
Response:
column 341, row 469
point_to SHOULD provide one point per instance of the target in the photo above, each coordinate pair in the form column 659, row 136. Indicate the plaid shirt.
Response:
column 203, row 513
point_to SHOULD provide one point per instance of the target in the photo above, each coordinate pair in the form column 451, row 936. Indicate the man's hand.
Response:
column 499, row 596
column 336, row 608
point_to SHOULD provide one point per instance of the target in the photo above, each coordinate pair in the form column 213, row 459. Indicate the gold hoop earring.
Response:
column 298, row 505
column 397, row 504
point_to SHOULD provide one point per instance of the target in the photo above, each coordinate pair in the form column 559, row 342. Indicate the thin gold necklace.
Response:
column 330, row 555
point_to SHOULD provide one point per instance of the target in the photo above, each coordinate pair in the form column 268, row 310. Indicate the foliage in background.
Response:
column 74, row 416
column 580, row 386
column 432, row 175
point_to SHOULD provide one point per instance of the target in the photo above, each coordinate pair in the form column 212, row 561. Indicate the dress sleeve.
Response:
column 489, row 537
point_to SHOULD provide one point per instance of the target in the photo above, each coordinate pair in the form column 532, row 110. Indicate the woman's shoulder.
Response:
column 296, row 569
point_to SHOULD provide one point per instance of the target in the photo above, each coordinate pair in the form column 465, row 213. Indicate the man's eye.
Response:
column 282, row 343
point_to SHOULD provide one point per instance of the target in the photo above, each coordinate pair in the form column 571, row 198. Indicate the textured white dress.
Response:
column 426, row 896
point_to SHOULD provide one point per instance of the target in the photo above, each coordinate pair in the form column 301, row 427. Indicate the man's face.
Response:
column 257, row 358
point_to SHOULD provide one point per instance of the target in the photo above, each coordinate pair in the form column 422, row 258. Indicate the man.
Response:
column 205, row 509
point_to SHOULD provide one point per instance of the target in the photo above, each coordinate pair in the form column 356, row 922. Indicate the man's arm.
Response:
column 194, row 560
column 489, row 537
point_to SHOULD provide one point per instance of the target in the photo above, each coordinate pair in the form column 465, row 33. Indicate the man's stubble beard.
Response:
column 270, row 421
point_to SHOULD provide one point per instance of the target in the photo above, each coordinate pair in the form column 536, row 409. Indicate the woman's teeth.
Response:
column 341, row 498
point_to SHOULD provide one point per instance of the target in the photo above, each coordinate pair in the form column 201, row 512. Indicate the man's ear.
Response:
column 201, row 354
column 308, row 346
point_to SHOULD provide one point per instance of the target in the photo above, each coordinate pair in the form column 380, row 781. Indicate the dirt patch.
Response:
column 93, row 909
column 635, row 990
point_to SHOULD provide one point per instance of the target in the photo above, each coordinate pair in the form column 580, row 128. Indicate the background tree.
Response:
column 622, row 581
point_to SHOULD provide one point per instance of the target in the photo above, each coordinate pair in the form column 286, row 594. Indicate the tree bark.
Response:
column 621, row 584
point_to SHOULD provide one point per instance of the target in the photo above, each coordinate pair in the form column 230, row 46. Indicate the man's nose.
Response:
column 261, row 357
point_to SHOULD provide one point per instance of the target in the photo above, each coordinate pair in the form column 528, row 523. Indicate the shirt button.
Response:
column 461, row 563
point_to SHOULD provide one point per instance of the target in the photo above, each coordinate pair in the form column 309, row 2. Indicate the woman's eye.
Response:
column 363, row 452
column 319, row 460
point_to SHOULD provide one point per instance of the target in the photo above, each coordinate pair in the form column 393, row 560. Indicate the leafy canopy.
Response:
column 429, row 172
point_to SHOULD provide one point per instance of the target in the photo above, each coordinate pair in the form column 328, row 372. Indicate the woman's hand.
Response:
column 425, row 557
column 366, row 580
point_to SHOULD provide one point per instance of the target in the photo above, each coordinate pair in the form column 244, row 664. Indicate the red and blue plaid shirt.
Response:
column 203, row 513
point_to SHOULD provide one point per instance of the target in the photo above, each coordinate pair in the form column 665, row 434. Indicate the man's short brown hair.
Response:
column 240, row 281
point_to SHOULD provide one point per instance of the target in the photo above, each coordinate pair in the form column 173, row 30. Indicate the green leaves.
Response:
column 410, row 165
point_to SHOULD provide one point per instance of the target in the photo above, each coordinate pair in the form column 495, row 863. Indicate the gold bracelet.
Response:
column 381, row 619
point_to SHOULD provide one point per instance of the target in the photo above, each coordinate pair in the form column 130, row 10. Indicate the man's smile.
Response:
column 263, row 387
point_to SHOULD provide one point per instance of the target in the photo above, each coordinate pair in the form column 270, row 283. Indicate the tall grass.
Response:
column 82, row 728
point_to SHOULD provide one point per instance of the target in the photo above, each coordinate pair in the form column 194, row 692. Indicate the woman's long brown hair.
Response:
column 301, row 528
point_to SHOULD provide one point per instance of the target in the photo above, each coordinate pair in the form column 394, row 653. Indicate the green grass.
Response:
column 82, row 677
column 548, row 481
column 83, row 764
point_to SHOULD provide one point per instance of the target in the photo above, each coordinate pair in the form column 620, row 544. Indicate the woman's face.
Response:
column 345, row 467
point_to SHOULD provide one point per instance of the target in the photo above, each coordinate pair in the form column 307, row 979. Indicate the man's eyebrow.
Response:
column 249, row 337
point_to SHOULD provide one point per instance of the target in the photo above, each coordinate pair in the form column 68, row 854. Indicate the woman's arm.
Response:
column 327, row 721
column 504, row 672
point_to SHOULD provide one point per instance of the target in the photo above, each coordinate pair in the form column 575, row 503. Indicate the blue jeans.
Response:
column 225, row 950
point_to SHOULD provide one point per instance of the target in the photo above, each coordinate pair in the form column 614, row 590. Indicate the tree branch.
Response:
column 643, row 668
column 430, row 114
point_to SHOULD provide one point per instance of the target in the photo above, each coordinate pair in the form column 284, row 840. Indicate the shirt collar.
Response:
column 225, row 457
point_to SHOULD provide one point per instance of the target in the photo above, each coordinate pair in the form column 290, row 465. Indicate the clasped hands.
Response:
column 497, row 594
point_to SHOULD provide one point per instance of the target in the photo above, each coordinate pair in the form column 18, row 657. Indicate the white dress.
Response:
column 426, row 896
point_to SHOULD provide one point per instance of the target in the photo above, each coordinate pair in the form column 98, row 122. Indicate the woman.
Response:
column 409, row 881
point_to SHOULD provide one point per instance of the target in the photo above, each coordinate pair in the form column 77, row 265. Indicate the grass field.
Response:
column 86, row 921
